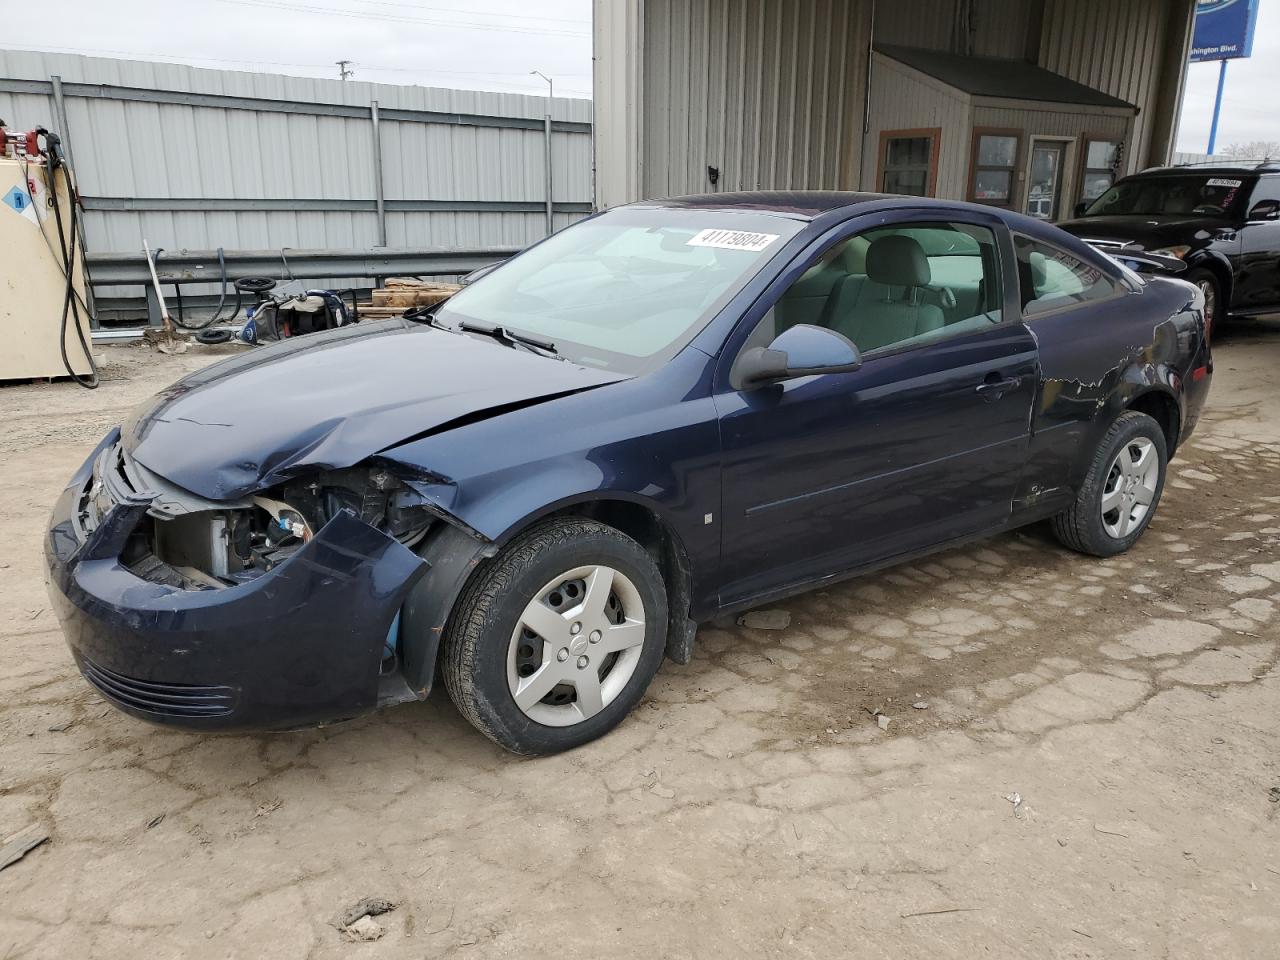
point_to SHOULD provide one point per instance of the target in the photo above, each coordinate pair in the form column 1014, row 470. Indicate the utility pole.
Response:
column 1217, row 108
column 546, row 137
column 344, row 69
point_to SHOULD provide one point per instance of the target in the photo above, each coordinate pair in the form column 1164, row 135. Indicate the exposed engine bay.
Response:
column 188, row 542
column 222, row 548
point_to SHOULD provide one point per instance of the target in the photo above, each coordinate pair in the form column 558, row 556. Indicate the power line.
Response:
column 391, row 18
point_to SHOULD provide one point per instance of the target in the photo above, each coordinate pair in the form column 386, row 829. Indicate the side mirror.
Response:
column 1081, row 208
column 800, row 351
column 1265, row 210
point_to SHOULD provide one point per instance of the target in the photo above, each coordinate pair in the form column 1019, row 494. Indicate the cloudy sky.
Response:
column 480, row 44
column 1250, row 105
column 485, row 44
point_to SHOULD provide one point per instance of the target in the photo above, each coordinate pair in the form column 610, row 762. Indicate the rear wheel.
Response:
column 1121, row 491
column 556, row 641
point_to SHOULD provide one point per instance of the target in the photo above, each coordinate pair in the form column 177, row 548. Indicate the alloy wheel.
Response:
column 1130, row 489
column 576, row 645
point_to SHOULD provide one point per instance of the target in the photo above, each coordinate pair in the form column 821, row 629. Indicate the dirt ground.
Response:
column 752, row 806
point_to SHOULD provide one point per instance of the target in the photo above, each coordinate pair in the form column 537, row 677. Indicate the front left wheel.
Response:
column 556, row 640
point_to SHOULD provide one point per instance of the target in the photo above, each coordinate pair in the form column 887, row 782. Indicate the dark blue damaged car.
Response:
column 665, row 413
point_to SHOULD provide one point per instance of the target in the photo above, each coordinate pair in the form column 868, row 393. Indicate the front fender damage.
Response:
column 453, row 554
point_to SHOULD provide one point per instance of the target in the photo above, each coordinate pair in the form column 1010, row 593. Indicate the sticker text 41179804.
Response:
column 732, row 240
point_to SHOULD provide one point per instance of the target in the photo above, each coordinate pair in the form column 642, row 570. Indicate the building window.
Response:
column 909, row 161
column 995, row 162
column 1101, row 161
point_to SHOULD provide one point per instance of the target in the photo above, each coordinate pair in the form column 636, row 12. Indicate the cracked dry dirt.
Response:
column 752, row 806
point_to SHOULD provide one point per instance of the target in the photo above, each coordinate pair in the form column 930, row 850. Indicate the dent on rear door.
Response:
column 1094, row 359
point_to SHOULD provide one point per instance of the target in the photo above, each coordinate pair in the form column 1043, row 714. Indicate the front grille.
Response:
column 162, row 699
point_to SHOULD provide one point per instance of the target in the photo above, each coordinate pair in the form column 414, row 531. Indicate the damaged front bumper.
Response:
column 299, row 645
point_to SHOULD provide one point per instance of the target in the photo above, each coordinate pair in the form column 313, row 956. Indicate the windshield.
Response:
column 1165, row 196
column 627, row 289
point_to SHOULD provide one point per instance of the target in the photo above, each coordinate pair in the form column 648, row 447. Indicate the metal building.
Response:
column 1030, row 104
column 195, row 159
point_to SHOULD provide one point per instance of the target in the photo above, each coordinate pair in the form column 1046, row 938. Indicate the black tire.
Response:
column 1081, row 527
column 479, row 633
column 1215, row 306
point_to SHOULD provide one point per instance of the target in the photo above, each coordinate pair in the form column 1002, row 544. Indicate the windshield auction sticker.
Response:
column 1219, row 182
column 732, row 240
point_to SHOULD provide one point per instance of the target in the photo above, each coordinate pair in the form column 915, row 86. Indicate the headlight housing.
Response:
column 207, row 549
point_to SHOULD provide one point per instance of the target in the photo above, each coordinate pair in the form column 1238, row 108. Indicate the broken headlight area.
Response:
column 210, row 549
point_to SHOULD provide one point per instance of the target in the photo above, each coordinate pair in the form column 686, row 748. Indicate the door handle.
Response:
column 994, row 389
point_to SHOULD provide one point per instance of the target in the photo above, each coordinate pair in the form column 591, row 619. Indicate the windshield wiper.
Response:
column 510, row 337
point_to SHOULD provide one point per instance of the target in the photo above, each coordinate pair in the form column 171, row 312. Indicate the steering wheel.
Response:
column 1208, row 208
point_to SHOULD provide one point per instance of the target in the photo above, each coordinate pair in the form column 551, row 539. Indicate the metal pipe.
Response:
column 1217, row 108
column 379, row 196
column 155, row 282
column 201, row 266
column 546, row 143
column 60, row 111
column 866, row 102
column 546, row 139
column 64, row 132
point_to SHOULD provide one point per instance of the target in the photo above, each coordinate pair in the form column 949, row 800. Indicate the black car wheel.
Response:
column 555, row 641
column 1121, row 491
column 1211, row 289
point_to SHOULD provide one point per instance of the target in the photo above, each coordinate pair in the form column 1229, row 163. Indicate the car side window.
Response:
column 895, row 287
column 1050, row 279
column 1268, row 188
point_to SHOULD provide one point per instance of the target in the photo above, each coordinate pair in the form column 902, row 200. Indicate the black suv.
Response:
column 1222, row 219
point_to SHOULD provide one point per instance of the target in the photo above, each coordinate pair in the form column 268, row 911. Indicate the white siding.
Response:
column 905, row 99
column 1059, row 122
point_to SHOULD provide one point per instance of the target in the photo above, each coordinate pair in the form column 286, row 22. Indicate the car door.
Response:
column 922, row 444
column 1258, row 273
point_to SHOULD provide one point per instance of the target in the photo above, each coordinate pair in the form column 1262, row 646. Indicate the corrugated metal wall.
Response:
column 770, row 92
column 998, row 28
column 905, row 99
column 1116, row 46
column 285, row 174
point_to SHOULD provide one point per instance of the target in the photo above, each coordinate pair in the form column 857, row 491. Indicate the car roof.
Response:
column 811, row 204
column 808, row 205
column 797, row 204
column 1237, row 168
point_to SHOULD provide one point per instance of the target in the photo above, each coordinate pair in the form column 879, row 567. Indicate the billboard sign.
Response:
column 1224, row 29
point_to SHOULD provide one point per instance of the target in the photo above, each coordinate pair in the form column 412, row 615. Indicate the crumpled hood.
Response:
column 330, row 400
column 1150, row 233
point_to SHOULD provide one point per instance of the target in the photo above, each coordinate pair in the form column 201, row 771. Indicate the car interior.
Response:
column 897, row 286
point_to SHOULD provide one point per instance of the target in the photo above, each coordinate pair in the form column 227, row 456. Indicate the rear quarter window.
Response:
column 1051, row 279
